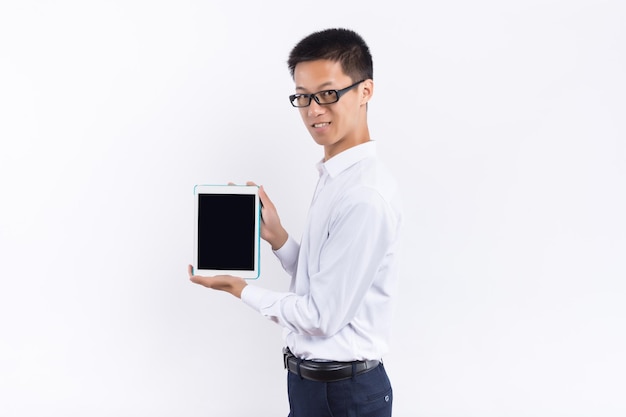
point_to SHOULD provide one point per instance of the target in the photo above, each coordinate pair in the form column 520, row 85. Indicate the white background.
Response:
column 504, row 121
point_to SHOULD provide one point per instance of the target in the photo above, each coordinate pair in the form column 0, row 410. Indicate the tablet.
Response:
column 227, row 230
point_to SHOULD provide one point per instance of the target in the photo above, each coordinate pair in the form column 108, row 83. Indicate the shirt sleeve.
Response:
column 288, row 255
column 258, row 298
column 359, row 237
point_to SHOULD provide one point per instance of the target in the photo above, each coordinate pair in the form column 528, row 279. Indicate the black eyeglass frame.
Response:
column 313, row 96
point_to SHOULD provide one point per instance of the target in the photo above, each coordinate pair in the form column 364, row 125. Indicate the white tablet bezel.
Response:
column 229, row 189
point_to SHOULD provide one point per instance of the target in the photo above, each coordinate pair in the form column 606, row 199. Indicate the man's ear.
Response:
column 367, row 91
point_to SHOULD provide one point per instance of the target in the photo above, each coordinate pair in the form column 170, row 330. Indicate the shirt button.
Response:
column 386, row 398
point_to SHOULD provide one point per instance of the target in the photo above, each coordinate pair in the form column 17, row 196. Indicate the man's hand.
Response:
column 271, row 229
column 228, row 283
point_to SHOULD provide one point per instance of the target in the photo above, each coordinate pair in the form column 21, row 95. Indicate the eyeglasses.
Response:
column 321, row 97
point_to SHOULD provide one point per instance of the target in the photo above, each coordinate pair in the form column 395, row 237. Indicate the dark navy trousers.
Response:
column 365, row 395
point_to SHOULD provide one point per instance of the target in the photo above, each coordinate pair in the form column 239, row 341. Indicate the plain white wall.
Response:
column 504, row 121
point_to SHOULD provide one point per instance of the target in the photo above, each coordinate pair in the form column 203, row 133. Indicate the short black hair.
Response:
column 340, row 45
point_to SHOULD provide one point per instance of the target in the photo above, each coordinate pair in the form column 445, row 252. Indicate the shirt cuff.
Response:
column 288, row 251
column 252, row 296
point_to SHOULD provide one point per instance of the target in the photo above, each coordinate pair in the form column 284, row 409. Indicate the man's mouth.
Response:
column 318, row 125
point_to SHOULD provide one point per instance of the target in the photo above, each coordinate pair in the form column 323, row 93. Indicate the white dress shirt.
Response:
column 344, row 270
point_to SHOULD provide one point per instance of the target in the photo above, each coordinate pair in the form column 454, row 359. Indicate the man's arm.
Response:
column 351, row 258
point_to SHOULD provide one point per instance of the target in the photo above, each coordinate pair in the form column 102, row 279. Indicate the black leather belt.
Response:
column 326, row 371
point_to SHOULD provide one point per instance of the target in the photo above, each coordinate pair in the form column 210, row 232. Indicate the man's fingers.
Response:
column 265, row 200
column 197, row 279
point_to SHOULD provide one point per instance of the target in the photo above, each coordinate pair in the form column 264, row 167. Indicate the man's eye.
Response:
column 302, row 98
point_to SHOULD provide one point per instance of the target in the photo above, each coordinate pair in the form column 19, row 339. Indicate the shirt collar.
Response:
column 344, row 160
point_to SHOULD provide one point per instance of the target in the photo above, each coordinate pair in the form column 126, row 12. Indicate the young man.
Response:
column 337, row 314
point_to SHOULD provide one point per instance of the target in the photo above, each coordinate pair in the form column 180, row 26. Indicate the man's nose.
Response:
column 315, row 109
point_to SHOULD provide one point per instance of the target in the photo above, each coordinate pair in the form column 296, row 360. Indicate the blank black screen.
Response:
column 226, row 231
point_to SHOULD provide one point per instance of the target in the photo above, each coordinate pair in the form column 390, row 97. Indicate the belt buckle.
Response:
column 286, row 354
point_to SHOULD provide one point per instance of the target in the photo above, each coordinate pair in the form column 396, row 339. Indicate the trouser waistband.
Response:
column 326, row 371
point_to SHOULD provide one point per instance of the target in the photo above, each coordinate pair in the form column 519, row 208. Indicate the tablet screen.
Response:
column 226, row 231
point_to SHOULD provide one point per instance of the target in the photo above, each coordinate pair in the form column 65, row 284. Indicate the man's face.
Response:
column 340, row 125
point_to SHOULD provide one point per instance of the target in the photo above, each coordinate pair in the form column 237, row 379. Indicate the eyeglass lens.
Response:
column 323, row 97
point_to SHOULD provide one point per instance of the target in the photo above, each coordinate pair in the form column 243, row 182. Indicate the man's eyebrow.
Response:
column 319, row 88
